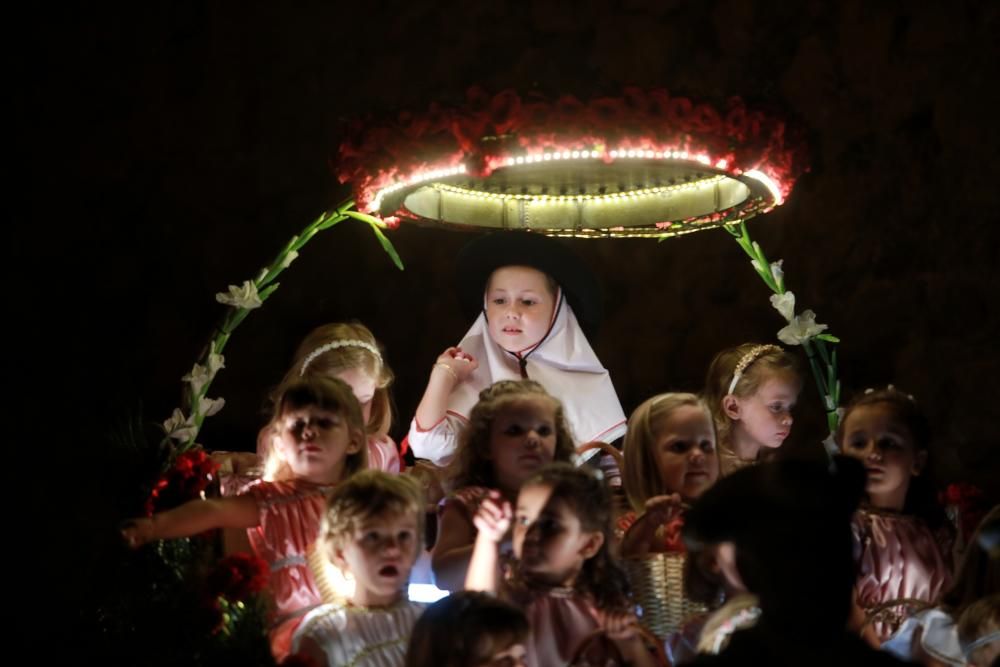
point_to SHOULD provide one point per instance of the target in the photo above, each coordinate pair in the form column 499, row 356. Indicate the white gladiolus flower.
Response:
column 801, row 328
column 197, row 378
column 178, row 427
column 210, row 406
column 288, row 259
column 784, row 304
column 777, row 271
column 244, row 296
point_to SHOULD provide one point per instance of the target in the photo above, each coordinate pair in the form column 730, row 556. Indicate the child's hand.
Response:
column 457, row 363
column 622, row 628
column 137, row 532
column 662, row 509
column 619, row 625
column 493, row 518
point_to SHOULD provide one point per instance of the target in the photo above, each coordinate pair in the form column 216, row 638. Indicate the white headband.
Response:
column 333, row 345
column 747, row 359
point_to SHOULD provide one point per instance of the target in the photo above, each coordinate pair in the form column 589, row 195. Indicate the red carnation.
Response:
column 190, row 475
column 237, row 577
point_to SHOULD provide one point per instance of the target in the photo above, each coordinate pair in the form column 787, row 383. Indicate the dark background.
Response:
column 166, row 150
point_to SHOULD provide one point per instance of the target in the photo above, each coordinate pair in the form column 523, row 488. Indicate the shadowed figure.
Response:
column 788, row 526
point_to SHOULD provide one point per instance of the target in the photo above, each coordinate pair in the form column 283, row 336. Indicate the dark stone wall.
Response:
column 166, row 150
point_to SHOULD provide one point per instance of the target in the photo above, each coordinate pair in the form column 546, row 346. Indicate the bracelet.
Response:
column 448, row 368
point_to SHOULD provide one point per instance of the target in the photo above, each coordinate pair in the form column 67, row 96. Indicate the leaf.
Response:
column 827, row 337
column 388, row 247
column 364, row 217
column 330, row 222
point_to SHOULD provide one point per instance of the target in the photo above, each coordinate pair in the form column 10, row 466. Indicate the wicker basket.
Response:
column 658, row 588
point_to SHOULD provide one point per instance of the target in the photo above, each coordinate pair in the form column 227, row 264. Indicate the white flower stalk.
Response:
column 784, row 304
column 179, row 427
column 244, row 296
column 801, row 328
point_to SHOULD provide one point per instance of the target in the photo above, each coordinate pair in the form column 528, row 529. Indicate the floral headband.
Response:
column 751, row 356
column 333, row 345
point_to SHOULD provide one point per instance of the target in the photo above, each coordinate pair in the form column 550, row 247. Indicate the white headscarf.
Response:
column 563, row 362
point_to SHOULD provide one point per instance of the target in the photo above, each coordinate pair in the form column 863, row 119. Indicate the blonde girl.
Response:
column 751, row 390
column 320, row 441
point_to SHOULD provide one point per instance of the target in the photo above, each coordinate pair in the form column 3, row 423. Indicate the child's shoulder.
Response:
column 284, row 491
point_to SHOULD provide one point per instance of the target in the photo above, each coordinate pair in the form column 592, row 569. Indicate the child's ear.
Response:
column 337, row 558
column 592, row 544
column 358, row 440
column 919, row 463
column 731, row 406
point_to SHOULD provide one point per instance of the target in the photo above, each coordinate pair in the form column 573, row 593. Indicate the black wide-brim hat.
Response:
column 484, row 255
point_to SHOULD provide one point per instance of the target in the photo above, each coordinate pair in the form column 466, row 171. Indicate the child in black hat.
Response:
column 534, row 304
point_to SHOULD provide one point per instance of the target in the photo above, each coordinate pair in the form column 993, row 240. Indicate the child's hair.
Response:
column 325, row 393
column 921, row 499
column 978, row 575
column 333, row 348
column 740, row 371
column 587, row 496
column 464, row 630
column 980, row 619
column 641, row 476
column 367, row 494
column 473, row 465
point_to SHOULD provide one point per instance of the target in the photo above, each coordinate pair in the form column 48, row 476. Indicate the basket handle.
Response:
column 649, row 639
column 604, row 447
column 872, row 614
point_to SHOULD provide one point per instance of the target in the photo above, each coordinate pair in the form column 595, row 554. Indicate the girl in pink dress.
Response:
column 514, row 429
column 563, row 575
column 901, row 536
column 320, row 442
column 751, row 390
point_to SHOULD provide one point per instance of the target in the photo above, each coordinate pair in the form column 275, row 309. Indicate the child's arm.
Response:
column 192, row 518
column 453, row 548
column 623, row 630
column 493, row 521
column 452, row 366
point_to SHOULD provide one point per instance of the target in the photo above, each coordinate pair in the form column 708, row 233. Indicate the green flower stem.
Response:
column 266, row 286
column 826, row 382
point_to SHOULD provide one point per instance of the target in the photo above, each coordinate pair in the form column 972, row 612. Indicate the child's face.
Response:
column 549, row 540
column 519, row 307
column 522, row 439
column 363, row 386
column 876, row 437
column 315, row 443
column 380, row 554
column 514, row 655
column 684, row 451
column 765, row 417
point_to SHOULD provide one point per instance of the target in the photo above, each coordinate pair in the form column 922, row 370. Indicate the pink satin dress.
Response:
column 290, row 515
column 560, row 620
column 898, row 558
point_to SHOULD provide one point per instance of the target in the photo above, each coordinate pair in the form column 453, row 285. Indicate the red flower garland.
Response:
column 190, row 475
column 486, row 128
